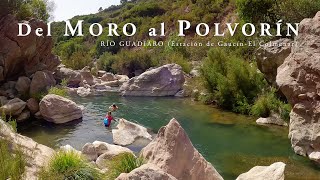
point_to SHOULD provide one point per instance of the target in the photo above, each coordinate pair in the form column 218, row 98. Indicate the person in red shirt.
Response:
column 107, row 120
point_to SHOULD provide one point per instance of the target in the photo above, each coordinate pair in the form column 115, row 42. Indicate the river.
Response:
column 232, row 143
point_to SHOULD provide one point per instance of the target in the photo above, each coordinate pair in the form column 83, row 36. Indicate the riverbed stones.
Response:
column 37, row 155
column 41, row 82
column 146, row 171
column 59, row 110
column 299, row 80
column 269, row 58
column 274, row 119
column 13, row 107
column 273, row 172
column 166, row 80
column 173, row 152
column 127, row 132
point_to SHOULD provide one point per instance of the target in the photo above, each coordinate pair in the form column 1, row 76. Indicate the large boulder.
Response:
column 271, row 55
column 23, row 85
column 299, row 80
column 127, row 132
column 173, row 152
column 145, row 172
column 41, row 82
column 37, row 155
column 13, row 107
column 166, row 80
column 59, row 110
column 23, row 56
column 106, row 152
column 33, row 105
column 86, row 77
column 108, row 77
column 72, row 77
column 273, row 172
column 274, row 119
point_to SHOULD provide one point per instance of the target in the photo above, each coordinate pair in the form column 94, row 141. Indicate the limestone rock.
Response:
column 41, row 82
column 273, row 119
column 273, row 172
column 59, row 110
column 103, row 147
column 108, row 77
column 72, row 77
column 13, row 107
column 37, row 154
column 23, row 116
column 173, row 152
column 87, row 77
column 146, row 172
column 269, row 58
column 107, row 151
column 33, row 105
column 299, row 80
column 23, row 85
column 127, row 132
column 166, row 80
column 23, row 56
column 90, row 152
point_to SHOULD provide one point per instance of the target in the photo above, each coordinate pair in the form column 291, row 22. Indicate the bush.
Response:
column 12, row 162
column 123, row 163
column 68, row 165
column 127, row 62
column 60, row 91
column 233, row 82
column 105, row 61
column 78, row 60
column 179, row 59
column 269, row 103
column 270, row 11
column 145, row 10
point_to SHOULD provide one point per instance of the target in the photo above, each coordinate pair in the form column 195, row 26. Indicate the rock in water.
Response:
column 299, row 80
column 59, row 110
column 128, row 132
column 273, row 119
column 166, row 80
column 269, row 58
column 273, row 172
column 146, row 171
column 37, row 155
column 173, row 152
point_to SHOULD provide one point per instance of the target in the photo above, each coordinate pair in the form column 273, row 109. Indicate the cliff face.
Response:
column 299, row 80
column 23, row 56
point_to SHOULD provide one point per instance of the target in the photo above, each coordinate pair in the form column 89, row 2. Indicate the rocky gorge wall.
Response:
column 299, row 80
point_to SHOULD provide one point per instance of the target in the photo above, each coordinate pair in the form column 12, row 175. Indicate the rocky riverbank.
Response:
column 170, row 155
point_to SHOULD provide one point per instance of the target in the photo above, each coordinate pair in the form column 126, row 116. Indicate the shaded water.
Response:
column 232, row 143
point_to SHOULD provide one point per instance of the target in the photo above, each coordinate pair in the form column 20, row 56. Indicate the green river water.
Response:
column 231, row 142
